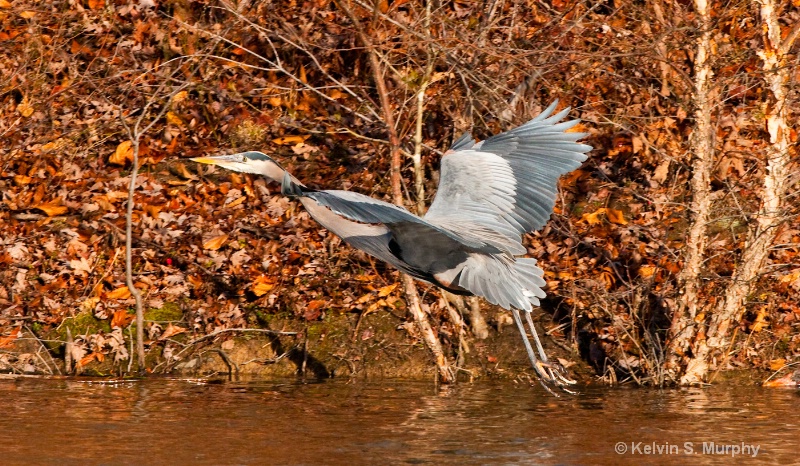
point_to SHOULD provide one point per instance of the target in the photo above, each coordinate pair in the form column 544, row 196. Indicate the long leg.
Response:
column 537, row 366
column 553, row 370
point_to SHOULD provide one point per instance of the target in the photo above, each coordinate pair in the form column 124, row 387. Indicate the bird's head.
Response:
column 247, row 162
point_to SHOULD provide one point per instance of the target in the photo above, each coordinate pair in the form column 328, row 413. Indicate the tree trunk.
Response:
column 412, row 296
column 770, row 215
column 682, row 329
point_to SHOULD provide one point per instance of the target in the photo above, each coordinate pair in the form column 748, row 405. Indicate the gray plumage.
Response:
column 490, row 193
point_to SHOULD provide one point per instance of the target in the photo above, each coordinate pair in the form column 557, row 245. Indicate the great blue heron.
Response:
column 469, row 242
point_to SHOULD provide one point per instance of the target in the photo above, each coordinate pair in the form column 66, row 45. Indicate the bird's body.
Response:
column 470, row 240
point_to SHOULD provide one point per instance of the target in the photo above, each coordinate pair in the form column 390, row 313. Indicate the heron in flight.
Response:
column 470, row 240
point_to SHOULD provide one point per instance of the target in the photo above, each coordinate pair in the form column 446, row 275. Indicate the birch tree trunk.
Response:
column 770, row 215
column 682, row 329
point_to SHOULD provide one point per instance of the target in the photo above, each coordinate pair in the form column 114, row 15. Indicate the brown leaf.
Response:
column 386, row 290
column 216, row 242
column 122, row 154
column 180, row 97
column 607, row 277
column 616, row 216
column 647, row 271
column 52, row 208
column 8, row 341
column 761, row 320
column 96, row 4
column 153, row 210
column 290, row 140
column 236, row 201
column 120, row 293
column 170, row 331
column 260, row 289
column 89, row 358
column 90, row 304
column 594, row 217
column 777, row 364
column 122, row 318
column 22, row 180
column 25, row 108
column 174, row 119
column 179, row 169
column 313, row 309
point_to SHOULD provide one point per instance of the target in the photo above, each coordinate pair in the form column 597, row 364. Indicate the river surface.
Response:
column 176, row 422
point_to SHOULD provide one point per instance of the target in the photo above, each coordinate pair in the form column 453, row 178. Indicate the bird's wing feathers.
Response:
column 360, row 208
column 466, row 141
column 507, row 183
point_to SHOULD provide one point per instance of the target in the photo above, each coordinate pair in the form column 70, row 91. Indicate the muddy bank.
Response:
column 342, row 345
column 369, row 346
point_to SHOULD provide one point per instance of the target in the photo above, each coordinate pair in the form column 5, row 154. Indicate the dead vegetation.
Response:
column 363, row 95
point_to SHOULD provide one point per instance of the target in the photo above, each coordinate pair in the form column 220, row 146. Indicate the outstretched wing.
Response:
column 360, row 208
column 507, row 183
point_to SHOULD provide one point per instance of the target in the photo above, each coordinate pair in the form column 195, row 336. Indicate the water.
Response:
column 168, row 421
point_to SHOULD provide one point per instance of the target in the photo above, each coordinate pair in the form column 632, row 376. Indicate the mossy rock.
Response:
column 84, row 323
column 169, row 312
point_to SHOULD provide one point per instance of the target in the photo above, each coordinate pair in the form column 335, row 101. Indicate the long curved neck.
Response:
column 274, row 172
column 338, row 225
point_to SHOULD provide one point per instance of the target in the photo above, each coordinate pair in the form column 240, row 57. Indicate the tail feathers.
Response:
column 531, row 278
column 508, row 284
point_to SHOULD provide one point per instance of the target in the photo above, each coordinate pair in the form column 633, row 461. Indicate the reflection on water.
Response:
column 69, row 421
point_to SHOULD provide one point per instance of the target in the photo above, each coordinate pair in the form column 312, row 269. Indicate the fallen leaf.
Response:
column 179, row 169
column 89, row 358
column 376, row 305
column 386, row 290
column 153, row 210
column 89, row 304
column 594, row 217
column 170, row 331
column 180, row 97
column 647, row 271
column 122, row 318
column 28, row 14
column 22, row 180
column 260, row 289
column 290, row 140
column 616, row 216
column 761, row 320
column 8, row 341
column 777, row 364
column 313, row 309
column 122, row 154
column 25, row 108
column 96, row 4
column 120, row 293
column 52, row 208
column 174, row 119
column 607, row 277
column 661, row 172
column 236, row 202
column 216, row 242
column 81, row 266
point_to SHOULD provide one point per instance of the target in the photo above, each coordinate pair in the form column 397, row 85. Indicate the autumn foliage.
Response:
column 292, row 78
